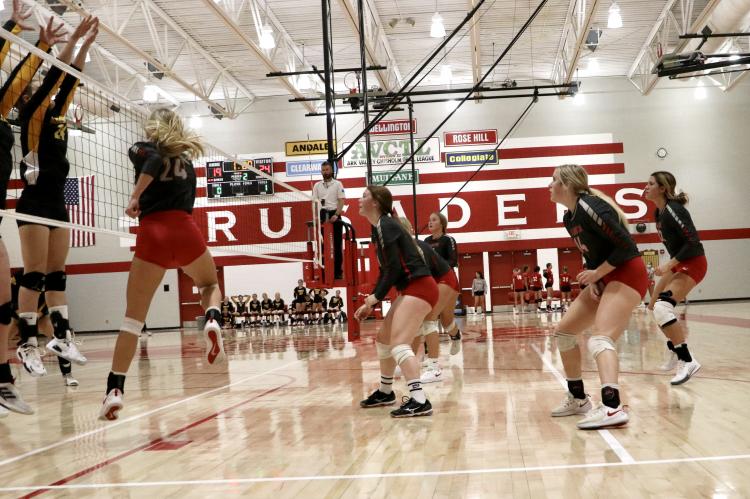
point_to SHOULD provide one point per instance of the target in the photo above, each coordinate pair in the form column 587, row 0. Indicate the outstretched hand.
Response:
column 20, row 14
column 50, row 34
column 93, row 31
column 84, row 26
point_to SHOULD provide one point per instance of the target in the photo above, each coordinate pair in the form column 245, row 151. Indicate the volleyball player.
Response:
column 317, row 306
column 168, row 237
column 18, row 80
column 401, row 265
column 478, row 288
column 240, row 305
column 518, row 285
column 448, row 290
column 298, row 303
column 336, row 307
column 617, row 281
column 266, row 309
column 279, row 308
column 535, row 280
column 685, row 269
column 254, row 310
column 445, row 246
column 565, row 288
column 44, row 168
column 549, row 281
column 227, row 313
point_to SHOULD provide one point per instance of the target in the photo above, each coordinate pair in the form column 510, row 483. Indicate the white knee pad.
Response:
column 664, row 313
column 429, row 327
column 566, row 341
column 131, row 326
column 598, row 344
column 401, row 353
column 384, row 351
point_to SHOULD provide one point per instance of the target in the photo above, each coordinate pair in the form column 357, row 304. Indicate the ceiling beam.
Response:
column 476, row 47
column 377, row 46
column 587, row 14
column 231, row 23
column 654, row 46
column 151, row 59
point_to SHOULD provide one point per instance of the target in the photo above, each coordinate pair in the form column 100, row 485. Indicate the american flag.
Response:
column 79, row 201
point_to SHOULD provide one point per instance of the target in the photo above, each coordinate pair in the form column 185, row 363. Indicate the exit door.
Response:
column 501, row 270
column 469, row 264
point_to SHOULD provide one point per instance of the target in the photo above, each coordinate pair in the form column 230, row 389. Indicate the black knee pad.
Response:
column 33, row 281
column 6, row 313
column 55, row 281
column 667, row 297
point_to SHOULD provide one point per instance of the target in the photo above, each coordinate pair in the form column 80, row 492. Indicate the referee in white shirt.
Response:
column 330, row 193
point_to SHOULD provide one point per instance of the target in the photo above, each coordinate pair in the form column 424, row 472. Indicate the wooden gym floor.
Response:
column 283, row 420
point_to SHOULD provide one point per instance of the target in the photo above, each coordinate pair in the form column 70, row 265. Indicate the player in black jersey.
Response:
column 336, row 307
column 279, row 308
column 683, row 272
column 44, row 168
column 402, row 265
column 317, row 305
column 168, row 237
column 549, row 281
column 298, row 302
column 448, row 291
column 617, row 281
column 227, row 313
column 266, row 310
column 445, row 246
column 240, row 305
column 18, row 80
column 253, row 310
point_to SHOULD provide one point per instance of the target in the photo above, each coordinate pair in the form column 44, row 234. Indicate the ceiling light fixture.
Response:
column 150, row 93
column 700, row 92
column 614, row 20
column 437, row 30
column 266, row 38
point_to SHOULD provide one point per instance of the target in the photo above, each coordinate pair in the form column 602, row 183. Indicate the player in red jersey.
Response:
column 535, row 280
column 518, row 285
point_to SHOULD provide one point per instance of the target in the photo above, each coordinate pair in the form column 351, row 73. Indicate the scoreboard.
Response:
column 226, row 179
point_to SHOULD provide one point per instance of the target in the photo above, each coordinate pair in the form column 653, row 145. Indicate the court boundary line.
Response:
column 108, row 426
column 368, row 476
column 610, row 439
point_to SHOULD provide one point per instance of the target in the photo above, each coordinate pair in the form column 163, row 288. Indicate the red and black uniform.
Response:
column 44, row 146
column 167, row 235
column 535, row 279
column 519, row 283
column 445, row 246
column 441, row 271
column 599, row 235
column 10, row 92
column 401, row 263
column 565, row 282
column 549, row 278
column 679, row 235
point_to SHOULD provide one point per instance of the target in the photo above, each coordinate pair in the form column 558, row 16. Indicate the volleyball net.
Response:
column 240, row 207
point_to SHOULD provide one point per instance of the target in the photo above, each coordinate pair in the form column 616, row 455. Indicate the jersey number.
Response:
column 173, row 167
column 60, row 132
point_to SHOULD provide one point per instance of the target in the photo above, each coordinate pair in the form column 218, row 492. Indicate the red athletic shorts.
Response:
column 449, row 279
column 633, row 273
column 694, row 267
column 424, row 288
column 169, row 239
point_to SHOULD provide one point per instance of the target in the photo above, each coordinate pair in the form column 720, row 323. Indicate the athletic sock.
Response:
column 116, row 380
column 386, row 384
column 611, row 395
column 670, row 345
column 213, row 313
column 683, row 353
column 575, row 387
column 5, row 375
column 415, row 389
column 65, row 366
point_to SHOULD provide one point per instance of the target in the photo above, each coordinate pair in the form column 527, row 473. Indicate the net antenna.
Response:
column 254, row 214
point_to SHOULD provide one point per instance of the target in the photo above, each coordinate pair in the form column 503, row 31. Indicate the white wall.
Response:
column 269, row 278
column 97, row 302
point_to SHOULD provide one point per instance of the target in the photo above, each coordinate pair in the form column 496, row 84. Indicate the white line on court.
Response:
column 613, row 443
column 368, row 476
column 109, row 426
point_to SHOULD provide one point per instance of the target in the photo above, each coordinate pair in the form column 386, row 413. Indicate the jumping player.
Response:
column 402, row 265
column 168, row 237
column 617, row 281
column 685, row 269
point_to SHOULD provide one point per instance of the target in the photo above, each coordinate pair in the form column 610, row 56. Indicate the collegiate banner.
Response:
column 392, row 152
column 471, row 158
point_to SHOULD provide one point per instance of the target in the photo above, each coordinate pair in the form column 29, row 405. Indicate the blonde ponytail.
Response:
column 166, row 129
column 577, row 179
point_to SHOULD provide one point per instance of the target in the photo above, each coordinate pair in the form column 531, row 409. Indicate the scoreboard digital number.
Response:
column 228, row 179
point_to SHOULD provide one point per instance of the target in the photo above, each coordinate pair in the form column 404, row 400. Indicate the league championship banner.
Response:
column 392, row 152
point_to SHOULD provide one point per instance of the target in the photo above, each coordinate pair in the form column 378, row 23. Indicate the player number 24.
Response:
column 173, row 167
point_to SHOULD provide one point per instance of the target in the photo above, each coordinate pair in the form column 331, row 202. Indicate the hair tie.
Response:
column 394, row 214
